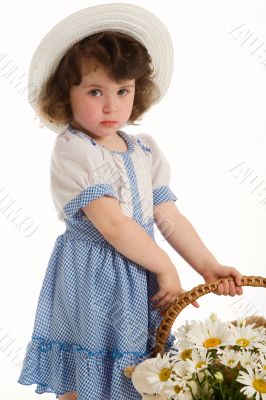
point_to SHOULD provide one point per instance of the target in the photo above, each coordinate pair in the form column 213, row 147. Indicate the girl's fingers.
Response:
column 195, row 304
column 158, row 296
column 236, row 285
column 232, row 288
column 239, row 290
column 226, row 287
column 164, row 306
column 219, row 290
column 236, row 275
column 163, row 301
column 163, row 311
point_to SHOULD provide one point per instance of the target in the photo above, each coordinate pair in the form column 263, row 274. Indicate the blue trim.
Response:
column 143, row 146
column 45, row 346
column 163, row 194
column 81, row 134
column 135, row 197
column 87, row 196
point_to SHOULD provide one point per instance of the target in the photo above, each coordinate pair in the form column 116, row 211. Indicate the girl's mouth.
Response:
column 108, row 122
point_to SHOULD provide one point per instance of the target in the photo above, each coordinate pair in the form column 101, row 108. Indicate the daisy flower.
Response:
column 181, row 371
column 247, row 357
column 255, row 383
column 262, row 331
column 199, row 361
column 160, row 372
column 183, row 351
column 210, row 334
column 262, row 346
column 181, row 333
column 179, row 390
column 151, row 374
column 230, row 358
column 187, row 377
column 246, row 336
column 262, row 362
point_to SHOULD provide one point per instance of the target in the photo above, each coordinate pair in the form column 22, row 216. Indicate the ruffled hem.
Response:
column 57, row 367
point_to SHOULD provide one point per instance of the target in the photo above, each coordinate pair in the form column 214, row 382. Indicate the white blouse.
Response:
column 82, row 170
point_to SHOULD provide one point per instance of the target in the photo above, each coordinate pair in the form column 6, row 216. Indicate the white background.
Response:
column 211, row 120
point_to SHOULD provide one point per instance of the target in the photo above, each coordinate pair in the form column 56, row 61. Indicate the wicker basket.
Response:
column 175, row 309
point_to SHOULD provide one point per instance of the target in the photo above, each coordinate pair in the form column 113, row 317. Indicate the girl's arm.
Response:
column 181, row 235
column 131, row 240
column 128, row 237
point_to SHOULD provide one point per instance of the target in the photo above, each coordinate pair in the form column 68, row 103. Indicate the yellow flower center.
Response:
column 165, row 374
column 177, row 389
column 230, row 362
column 211, row 342
column 242, row 342
column 186, row 354
column 200, row 364
column 264, row 366
column 259, row 385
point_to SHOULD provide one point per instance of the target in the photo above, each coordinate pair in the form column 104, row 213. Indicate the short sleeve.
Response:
column 78, row 175
column 160, row 172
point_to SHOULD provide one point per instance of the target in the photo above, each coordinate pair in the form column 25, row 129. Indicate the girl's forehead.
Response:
column 91, row 70
column 95, row 71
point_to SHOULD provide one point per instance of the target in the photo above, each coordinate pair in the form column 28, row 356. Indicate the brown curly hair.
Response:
column 123, row 57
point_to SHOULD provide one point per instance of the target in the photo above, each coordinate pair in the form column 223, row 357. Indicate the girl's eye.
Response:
column 93, row 91
column 123, row 90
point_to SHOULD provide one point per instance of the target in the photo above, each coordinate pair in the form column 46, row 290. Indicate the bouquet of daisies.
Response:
column 210, row 360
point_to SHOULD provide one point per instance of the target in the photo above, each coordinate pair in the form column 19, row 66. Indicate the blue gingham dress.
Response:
column 94, row 316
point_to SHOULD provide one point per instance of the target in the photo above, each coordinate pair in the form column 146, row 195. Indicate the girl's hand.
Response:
column 170, row 289
column 229, row 287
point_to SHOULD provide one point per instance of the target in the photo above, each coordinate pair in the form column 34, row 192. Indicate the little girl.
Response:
column 97, row 70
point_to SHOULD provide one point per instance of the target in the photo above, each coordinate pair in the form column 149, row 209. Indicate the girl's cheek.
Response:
column 89, row 103
column 86, row 105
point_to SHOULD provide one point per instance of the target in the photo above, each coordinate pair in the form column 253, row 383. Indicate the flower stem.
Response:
column 202, row 397
column 223, row 393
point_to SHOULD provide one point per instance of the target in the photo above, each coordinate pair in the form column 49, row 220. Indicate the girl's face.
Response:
column 97, row 99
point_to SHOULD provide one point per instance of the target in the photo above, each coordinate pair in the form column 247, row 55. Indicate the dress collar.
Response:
column 124, row 135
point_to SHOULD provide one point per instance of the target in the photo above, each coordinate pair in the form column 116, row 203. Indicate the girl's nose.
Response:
column 110, row 105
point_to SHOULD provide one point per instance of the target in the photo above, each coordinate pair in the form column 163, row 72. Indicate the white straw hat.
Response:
column 123, row 17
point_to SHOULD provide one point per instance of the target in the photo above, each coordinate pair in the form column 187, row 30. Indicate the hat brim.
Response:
column 128, row 18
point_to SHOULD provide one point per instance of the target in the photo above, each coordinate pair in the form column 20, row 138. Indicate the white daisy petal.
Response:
column 254, row 381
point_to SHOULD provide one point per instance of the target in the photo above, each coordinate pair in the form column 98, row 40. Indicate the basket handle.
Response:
column 188, row 297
